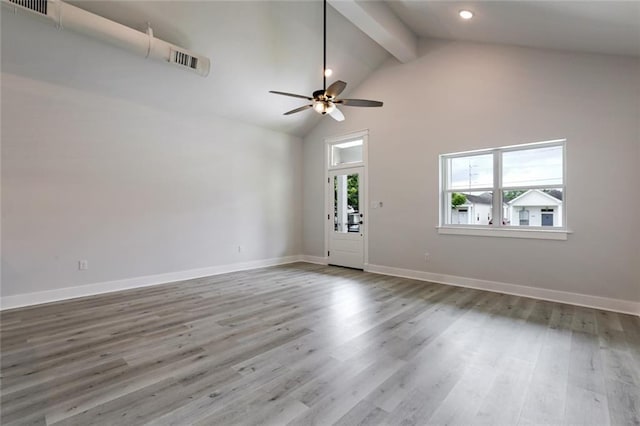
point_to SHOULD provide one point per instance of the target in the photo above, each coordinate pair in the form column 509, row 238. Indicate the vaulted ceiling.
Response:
column 610, row 27
column 257, row 46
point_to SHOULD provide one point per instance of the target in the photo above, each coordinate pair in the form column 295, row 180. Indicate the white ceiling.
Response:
column 254, row 47
column 257, row 46
column 610, row 27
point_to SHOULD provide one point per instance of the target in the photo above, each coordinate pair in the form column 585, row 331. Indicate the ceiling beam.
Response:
column 379, row 22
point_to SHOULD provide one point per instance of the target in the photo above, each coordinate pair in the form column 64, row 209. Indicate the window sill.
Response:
column 505, row 232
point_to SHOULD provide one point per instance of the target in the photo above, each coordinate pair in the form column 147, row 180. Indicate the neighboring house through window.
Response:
column 542, row 207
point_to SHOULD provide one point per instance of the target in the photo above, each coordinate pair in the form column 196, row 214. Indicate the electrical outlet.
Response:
column 426, row 257
column 240, row 249
column 83, row 265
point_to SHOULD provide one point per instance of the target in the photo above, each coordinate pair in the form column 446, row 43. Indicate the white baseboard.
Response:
column 28, row 299
column 607, row 304
column 315, row 259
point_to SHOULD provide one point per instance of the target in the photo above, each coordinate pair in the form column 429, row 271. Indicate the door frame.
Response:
column 328, row 223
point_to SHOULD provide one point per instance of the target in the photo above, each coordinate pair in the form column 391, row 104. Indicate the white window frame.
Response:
column 497, row 229
column 339, row 140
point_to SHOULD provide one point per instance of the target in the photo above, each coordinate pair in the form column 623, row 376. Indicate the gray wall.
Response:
column 463, row 96
column 135, row 187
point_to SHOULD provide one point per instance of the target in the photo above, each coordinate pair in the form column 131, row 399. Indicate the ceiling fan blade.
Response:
column 337, row 115
column 293, row 111
column 291, row 94
column 336, row 88
column 358, row 102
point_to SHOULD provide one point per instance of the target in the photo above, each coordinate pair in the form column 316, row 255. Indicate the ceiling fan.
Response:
column 325, row 100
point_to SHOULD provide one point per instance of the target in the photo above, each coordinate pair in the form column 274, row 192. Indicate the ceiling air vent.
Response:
column 184, row 59
column 39, row 6
column 141, row 43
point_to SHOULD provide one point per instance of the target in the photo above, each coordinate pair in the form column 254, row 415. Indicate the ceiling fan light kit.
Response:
column 324, row 107
column 325, row 101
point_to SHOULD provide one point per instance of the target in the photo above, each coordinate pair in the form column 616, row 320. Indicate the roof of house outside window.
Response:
column 484, row 198
column 537, row 196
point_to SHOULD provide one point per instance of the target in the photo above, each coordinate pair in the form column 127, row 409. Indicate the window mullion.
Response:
column 463, row 190
column 525, row 187
column 497, row 192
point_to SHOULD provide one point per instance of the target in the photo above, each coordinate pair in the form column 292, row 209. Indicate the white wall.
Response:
column 462, row 96
column 135, row 187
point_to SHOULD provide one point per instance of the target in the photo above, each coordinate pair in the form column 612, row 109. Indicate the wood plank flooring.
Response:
column 305, row 344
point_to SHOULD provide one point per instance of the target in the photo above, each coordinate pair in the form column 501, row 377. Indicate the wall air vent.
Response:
column 39, row 6
column 184, row 59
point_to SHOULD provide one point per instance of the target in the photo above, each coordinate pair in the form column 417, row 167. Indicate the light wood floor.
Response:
column 308, row 344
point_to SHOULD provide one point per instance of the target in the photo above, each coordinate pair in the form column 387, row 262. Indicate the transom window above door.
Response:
column 346, row 153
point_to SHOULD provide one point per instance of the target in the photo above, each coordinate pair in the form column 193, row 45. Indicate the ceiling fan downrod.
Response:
column 324, row 48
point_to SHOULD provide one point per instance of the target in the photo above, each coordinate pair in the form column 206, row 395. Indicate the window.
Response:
column 346, row 153
column 519, row 188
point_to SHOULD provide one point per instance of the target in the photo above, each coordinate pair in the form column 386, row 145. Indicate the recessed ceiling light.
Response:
column 328, row 72
column 466, row 14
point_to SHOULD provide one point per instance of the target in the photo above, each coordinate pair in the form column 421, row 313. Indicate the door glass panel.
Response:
column 346, row 203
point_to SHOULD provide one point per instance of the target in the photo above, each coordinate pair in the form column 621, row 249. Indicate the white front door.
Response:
column 346, row 217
